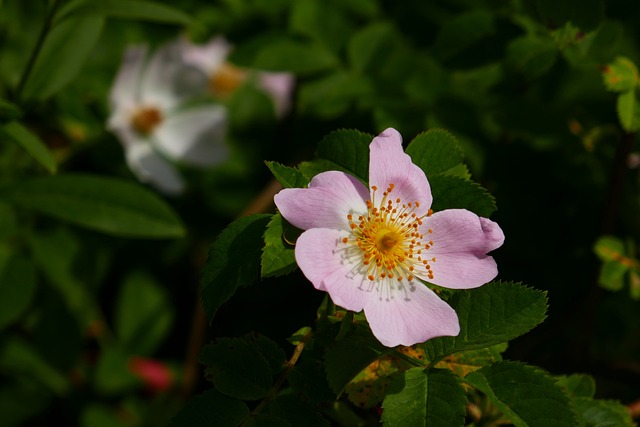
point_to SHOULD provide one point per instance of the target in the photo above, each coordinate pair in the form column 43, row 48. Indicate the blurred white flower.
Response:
column 156, row 128
column 225, row 77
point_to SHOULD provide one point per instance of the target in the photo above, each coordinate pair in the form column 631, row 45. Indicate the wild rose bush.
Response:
column 319, row 213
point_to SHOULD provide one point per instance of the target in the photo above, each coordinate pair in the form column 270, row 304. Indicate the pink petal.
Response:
column 280, row 87
column 411, row 317
column 388, row 164
column 461, row 242
column 331, row 196
column 323, row 261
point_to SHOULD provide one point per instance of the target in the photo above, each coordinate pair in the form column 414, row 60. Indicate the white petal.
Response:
column 151, row 168
column 208, row 57
column 125, row 85
column 195, row 136
column 280, row 87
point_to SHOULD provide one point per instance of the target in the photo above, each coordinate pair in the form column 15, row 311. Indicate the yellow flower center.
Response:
column 145, row 120
column 388, row 239
column 226, row 79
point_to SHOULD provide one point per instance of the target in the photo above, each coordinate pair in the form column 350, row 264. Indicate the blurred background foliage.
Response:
column 542, row 96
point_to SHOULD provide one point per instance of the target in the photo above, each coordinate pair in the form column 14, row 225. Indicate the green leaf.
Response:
column 278, row 256
column 269, row 349
column 362, row 348
column 370, row 46
column 577, row 385
column 8, row 111
column 602, row 413
column 332, row 95
column 586, row 14
column 463, row 31
column 320, row 21
column 435, row 151
column 127, row 9
column 349, row 149
column 612, row 274
column 287, row 176
column 237, row 369
column 314, row 167
column 141, row 328
column 421, row 397
column 99, row 415
column 17, row 133
column 531, row 56
column 18, row 281
column 109, row 205
column 492, row 314
column 296, row 411
column 62, row 258
column 464, row 362
column 294, row 56
column 211, row 408
column 112, row 375
column 621, row 75
column 20, row 358
column 63, row 55
column 525, row 394
column 234, row 261
column 629, row 111
column 452, row 192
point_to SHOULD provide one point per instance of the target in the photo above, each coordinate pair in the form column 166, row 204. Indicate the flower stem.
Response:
column 288, row 367
column 46, row 27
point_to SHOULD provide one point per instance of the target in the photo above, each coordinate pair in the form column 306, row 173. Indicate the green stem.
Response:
column 46, row 27
column 272, row 394
column 410, row 360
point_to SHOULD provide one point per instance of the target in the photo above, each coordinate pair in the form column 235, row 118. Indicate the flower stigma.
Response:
column 389, row 241
column 146, row 119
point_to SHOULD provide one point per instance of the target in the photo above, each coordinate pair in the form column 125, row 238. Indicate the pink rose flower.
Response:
column 370, row 249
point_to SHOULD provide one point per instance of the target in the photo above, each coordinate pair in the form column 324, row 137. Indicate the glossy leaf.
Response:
column 110, row 205
column 63, row 55
column 435, row 151
column 33, row 145
column 126, row 9
column 278, row 256
column 287, row 176
column 421, row 397
column 452, row 192
column 526, row 395
column 629, row 111
column 577, row 385
column 143, row 314
column 349, row 149
column 492, row 314
column 362, row 349
column 237, row 369
column 211, row 408
column 602, row 413
column 234, row 261
column 621, row 75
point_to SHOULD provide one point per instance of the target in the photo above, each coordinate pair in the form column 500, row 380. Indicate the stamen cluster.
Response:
column 389, row 240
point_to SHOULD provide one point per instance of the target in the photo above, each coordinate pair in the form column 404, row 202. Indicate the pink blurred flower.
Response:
column 225, row 77
column 155, row 127
column 155, row 375
column 368, row 248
